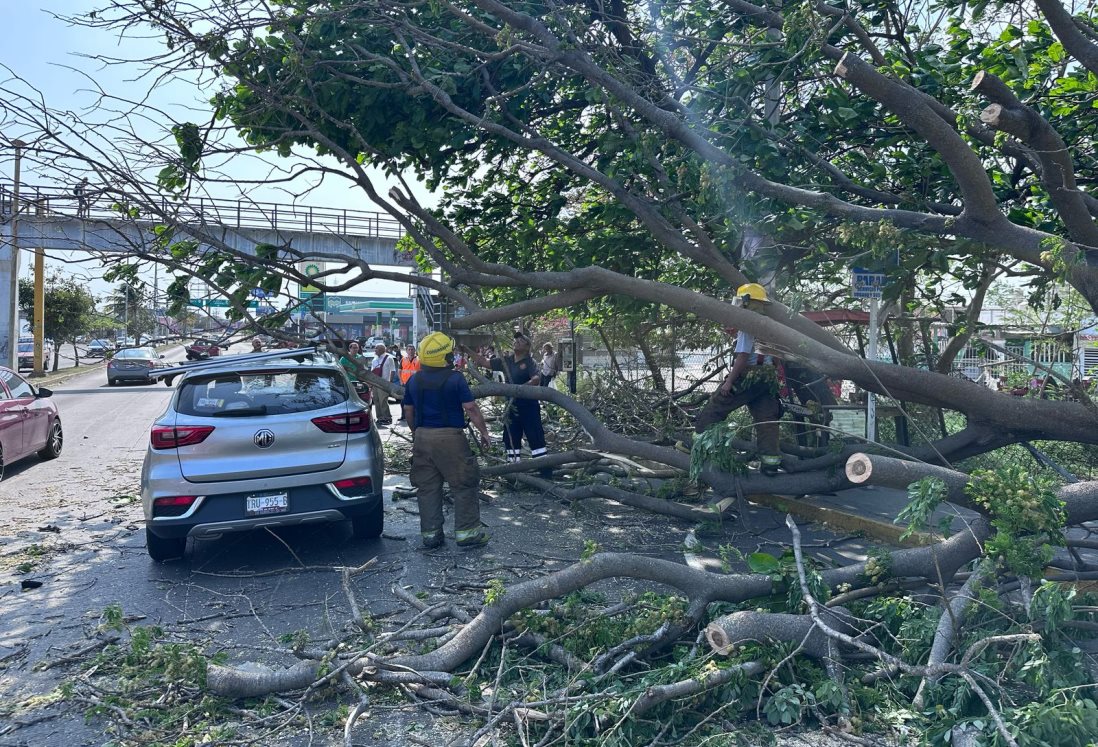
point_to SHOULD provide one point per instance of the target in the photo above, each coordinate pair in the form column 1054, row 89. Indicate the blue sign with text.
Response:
column 866, row 284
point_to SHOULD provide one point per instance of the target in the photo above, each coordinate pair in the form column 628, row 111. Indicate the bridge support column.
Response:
column 9, row 307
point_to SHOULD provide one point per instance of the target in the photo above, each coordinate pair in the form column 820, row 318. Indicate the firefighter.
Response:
column 436, row 400
column 523, row 416
column 754, row 380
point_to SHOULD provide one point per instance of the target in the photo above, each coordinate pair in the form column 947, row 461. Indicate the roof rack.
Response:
column 234, row 360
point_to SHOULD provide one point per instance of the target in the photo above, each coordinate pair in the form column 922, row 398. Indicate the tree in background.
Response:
column 70, row 311
column 130, row 308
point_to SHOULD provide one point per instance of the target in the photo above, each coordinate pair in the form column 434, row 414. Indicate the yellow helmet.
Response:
column 753, row 291
column 436, row 350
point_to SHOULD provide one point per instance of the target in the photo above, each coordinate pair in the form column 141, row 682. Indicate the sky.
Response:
column 49, row 55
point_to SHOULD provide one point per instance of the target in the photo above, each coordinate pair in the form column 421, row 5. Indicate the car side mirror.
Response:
column 161, row 355
column 43, row 392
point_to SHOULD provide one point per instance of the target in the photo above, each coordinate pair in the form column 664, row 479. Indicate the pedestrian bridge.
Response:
column 57, row 219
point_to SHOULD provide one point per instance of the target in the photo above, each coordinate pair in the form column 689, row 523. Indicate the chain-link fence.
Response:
column 673, row 372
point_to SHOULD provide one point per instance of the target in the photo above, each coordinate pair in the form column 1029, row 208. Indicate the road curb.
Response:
column 59, row 377
column 874, row 528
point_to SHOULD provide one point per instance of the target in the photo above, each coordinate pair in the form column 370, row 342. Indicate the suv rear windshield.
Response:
column 261, row 393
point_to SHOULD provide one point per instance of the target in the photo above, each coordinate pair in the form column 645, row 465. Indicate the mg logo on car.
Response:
column 264, row 438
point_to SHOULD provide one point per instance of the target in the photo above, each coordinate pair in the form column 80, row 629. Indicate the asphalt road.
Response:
column 74, row 525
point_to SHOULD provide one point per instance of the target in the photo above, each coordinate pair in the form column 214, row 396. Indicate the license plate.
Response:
column 261, row 505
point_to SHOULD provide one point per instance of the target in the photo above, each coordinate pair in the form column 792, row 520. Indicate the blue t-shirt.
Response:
column 437, row 394
column 519, row 372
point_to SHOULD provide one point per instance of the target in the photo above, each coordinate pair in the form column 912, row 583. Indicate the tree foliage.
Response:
column 70, row 309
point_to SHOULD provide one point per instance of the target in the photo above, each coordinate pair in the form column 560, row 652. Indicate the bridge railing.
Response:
column 103, row 204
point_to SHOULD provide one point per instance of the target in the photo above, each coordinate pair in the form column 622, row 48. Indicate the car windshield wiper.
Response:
column 241, row 412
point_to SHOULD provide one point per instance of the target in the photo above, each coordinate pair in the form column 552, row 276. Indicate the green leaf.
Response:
column 761, row 562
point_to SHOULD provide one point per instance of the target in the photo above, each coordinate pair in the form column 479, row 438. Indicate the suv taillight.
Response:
column 355, row 487
column 353, row 422
column 172, row 437
column 174, row 505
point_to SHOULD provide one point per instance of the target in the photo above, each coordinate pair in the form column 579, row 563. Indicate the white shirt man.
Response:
column 384, row 365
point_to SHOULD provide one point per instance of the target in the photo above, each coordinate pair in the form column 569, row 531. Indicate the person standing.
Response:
column 753, row 381
column 550, row 364
column 383, row 368
column 436, row 400
column 257, row 345
column 80, row 192
column 354, row 356
column 409, row 364
column 523, row 416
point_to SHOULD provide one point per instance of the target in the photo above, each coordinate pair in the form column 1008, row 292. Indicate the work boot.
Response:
column 473, row 538
column 770, row 464
column 434, row 541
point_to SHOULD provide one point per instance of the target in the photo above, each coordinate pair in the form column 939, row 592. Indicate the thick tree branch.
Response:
column 1010, row 115
column 1074, row 41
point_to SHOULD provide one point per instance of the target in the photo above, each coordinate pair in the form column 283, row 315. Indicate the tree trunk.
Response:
column 614, row 365
column 972, row 316
column 652, row 362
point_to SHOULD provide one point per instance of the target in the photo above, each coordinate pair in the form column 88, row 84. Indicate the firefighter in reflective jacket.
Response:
column 754, row 380
column 436, row 400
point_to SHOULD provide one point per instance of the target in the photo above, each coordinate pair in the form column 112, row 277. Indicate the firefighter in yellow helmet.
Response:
column 754, row 381
column 436, row 400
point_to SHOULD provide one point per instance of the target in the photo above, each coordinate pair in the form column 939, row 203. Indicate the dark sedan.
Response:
column 132, row 364
column 29, row 423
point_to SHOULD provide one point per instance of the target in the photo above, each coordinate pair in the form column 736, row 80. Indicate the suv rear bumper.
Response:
column 224, row 514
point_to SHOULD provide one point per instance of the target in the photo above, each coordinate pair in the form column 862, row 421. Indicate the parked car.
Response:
column 201, row 349
column 29, row 422
column 98, row 349
column 132, row 364
column 257, row 444
column 26, row 352
column 26, row 355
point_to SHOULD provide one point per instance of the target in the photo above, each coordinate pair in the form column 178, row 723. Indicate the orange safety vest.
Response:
column 407, row 368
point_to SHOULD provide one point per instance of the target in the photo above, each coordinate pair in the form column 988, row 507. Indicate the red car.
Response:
column 201, row 349
column 29, row 423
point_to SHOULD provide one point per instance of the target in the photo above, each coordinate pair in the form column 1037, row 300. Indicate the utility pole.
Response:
column 156, row 293
column 39, row 310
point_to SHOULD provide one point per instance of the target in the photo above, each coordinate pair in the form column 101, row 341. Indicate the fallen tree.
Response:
column 607, row 162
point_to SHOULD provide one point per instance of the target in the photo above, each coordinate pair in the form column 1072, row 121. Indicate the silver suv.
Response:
column 260, row 443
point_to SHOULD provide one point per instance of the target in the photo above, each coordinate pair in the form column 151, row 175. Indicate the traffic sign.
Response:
column 216, row 303
column 866, row 284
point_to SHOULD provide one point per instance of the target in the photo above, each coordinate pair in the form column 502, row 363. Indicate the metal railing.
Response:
column 430, row 308
column 110, row 204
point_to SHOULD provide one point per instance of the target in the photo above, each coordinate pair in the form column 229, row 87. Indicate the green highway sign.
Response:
column 217, row 303
column 352, row 305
